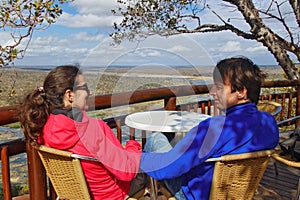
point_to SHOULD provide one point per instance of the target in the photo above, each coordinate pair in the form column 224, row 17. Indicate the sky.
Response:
column 81, row 36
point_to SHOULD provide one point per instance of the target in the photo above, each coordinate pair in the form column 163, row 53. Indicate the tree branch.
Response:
column 296, row 8
column 22, row 18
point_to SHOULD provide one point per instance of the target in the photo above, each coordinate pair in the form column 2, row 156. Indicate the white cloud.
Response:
column 53, row 50
column 86, row 20
column 231, row 46
column 256, row 49
column 95, row 7
column 5, row 39
column 84, row 36
column 91, row 13
column 159, row 50
column 80, row 39
column 42, row 41
column 146, row 53
column 178, row 48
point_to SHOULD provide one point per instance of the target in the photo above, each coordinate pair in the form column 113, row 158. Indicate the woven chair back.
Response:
column 271, row 107
column 65, row 173
column 237, row 176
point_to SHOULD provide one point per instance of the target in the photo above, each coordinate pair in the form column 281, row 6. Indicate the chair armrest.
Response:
column 84, row 157
column 288, row 120
column 242, row 156
column 286, row 160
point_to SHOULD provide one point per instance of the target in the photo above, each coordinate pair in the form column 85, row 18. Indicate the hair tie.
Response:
column 41, row 90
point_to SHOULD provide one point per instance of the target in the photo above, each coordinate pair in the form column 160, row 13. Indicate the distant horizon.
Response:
column 43, row 67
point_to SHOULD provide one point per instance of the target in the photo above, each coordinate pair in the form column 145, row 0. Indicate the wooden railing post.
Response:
column 170, row 103
column 36, row 175
column 6, row 187
column 298, row 105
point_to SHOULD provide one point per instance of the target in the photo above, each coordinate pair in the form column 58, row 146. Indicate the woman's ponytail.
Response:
column 34, row 112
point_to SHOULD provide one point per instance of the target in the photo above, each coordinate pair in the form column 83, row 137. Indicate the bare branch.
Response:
column 280, row 19
column 22, row 18
column 296, row 8
column 142, row 18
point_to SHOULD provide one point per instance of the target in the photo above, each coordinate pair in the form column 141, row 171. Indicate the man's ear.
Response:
column 242, row 94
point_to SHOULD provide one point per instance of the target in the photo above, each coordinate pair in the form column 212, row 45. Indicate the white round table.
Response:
column 178, row 122
column 165, row 121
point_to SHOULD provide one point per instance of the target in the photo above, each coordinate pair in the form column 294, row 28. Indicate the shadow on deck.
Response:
column 282, row 186
column 272, row 187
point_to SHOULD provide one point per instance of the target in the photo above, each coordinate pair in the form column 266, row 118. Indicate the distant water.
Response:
column 199, row 82
column 7, row 133
column 36, row 68
column 18, row 163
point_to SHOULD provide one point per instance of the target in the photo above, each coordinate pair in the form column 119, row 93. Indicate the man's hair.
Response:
column 241, row 73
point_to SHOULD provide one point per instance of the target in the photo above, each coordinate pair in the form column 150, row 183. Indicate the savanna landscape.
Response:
column 16, row 82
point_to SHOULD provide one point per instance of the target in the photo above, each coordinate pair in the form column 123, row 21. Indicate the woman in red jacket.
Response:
column 55, row 116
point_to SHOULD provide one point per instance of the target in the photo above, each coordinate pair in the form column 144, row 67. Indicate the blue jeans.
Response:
column 158, row 143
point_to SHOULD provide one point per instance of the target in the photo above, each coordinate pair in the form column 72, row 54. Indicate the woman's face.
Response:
column 81, row 93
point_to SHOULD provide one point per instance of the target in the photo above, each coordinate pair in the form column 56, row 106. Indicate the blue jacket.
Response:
column 243, row 129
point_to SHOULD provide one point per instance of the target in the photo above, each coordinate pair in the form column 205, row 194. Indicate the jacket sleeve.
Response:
column 186, row 154
column 122, row 162
column 133, row 146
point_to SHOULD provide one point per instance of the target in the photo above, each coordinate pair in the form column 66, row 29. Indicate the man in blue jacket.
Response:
column 242, row 128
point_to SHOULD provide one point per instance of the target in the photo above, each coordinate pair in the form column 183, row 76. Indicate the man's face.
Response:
column 223, row 96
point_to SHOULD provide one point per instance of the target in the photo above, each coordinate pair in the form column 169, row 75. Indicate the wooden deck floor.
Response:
column 282, row 186
column 272, row 187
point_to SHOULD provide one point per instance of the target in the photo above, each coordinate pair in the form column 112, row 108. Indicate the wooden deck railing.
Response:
column 290, row 102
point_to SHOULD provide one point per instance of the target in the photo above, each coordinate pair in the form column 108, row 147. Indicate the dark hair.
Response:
column 241, row 73
column 38, row 104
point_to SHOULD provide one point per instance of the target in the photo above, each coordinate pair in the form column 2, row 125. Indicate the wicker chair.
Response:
column 65, row 172
column 287, row 159
column 271, row 107
column 237, row 176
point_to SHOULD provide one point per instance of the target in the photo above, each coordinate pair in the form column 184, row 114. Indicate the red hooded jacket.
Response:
column 108, row 179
